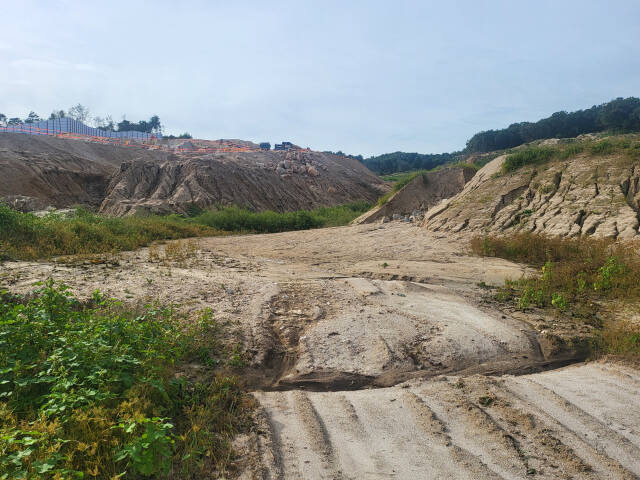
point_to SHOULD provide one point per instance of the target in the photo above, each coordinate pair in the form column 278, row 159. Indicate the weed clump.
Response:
column 90, row 390
column 25, row 236
column 577, row 274
column 236, row 219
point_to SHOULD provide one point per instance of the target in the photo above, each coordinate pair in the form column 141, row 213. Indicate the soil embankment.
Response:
column 420, row 194
column 583, row 195
column 40, row 171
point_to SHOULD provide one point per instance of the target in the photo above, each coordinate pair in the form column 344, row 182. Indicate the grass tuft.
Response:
column 24, row 236
column 577, row 276
column 236, row 219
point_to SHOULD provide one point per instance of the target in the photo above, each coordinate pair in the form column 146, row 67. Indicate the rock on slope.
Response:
column 421, row 193
column 278, row 181
column 36, row 172
column 597, row 196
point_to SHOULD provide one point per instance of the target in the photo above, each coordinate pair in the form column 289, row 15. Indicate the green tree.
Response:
column 79, row 112
column 33, row 117
column 56, row 114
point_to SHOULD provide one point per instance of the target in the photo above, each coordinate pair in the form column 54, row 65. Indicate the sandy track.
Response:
column 325, row 316
column 575, row 422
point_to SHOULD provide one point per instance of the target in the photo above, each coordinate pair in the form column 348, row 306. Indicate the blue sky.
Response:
column 365, row 77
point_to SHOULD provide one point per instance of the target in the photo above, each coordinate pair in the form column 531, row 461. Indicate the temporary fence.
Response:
column 59, row 126
column 74, row 129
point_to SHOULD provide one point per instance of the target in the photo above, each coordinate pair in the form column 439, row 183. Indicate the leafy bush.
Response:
column 89, row 390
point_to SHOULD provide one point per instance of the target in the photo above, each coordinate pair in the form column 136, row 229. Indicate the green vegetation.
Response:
column 27, row 237
column 619, row 115
column 627, row 146
column 91, row 390
column 578, row 277
column 401, row 179
column 389, row 163
column 236, row 219
column 396, row 177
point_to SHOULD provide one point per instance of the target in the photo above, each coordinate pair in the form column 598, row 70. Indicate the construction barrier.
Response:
column 75, row 130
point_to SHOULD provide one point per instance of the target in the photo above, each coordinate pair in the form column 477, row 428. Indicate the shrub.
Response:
column 89, row 390
column 25, row 236
column 236, row 219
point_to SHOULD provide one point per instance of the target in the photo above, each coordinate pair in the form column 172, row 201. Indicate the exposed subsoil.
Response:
column 38, row 171
column 374, row 352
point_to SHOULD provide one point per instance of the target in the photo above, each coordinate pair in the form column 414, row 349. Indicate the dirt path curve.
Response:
column 362, row 343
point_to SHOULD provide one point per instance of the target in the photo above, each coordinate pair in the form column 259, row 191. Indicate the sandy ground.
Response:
column 579, row 422
column 364, row 346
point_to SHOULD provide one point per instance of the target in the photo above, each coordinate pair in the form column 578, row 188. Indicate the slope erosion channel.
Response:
column 374, row 354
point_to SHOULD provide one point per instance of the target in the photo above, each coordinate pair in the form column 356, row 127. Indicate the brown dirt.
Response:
column 580, row 196
column 420, row 194
column 36, row 172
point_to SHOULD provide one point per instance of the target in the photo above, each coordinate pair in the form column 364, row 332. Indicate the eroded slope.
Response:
column 586, row 194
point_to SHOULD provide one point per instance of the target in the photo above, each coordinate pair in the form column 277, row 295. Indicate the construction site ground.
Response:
column 375, row 352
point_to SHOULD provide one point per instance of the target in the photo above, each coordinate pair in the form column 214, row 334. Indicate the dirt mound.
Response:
column 583, row 195
column 40, row 171
column 420, row 194
column 278, row 181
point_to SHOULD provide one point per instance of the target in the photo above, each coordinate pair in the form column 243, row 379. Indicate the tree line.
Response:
column 82, row 114
column 619, row 115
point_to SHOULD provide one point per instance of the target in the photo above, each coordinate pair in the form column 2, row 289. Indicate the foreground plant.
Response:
column 91, row 391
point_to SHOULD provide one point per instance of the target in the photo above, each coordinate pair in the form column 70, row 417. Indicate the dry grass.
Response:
column 577, row 276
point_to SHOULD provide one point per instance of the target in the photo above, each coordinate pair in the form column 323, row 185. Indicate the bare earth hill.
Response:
column 585, row 194
column 420, row 194
column 281, row 181
column 36, row 172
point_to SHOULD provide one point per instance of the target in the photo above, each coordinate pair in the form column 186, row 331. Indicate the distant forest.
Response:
column 619, row 115
column 404, row 162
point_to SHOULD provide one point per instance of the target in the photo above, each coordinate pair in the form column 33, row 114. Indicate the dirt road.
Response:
column 576, row 422
column 363, row 347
